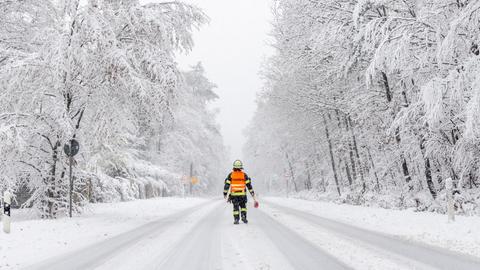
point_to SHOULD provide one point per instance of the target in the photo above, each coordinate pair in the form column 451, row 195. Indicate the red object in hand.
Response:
column 255, row 204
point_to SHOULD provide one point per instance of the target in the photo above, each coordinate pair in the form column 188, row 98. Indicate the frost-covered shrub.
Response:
column 467, row 202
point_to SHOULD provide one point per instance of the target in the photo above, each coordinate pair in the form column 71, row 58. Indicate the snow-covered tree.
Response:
column 375, row 101
column 102, row 72
column 195, row 138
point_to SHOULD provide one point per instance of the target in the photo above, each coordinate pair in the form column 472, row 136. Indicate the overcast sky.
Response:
column 232, row 48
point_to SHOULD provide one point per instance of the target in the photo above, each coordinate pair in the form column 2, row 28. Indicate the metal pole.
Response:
column 286, row 183
column 71, row 186
column 191, row 177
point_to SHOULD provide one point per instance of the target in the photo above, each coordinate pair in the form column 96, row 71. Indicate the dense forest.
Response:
column 102, row 72
column 372, row 102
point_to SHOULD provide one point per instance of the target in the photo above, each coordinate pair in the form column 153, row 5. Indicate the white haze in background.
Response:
column 232, row 49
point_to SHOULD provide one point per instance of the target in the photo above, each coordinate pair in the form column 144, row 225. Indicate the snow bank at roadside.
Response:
column 461, row 236
column 34, row 240
column 467, row 201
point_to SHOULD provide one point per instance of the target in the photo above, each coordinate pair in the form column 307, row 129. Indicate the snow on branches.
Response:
column 378, row 101
column 100, row 71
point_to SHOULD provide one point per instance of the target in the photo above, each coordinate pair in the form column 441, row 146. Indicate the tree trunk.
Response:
column 404, row 165
column 332, row 159
column 406, row 173
column 322, row 182
column 428, row 176
column 350, row 149
column 357, row 154
column 51, row 184
column 374, row 170
column 292, row 174
column 428, row 170
column 472, row 181
column 388, row 92
column 308, row 182
column 349, row 176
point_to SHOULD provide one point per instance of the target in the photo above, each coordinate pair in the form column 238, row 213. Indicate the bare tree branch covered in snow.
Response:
column 377, row 101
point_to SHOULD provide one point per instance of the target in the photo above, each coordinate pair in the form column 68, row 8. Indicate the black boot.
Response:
column 244, row 217
column 236, row 220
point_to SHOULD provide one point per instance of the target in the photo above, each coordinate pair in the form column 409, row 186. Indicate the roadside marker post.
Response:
column 450, row 206
column 7, row 202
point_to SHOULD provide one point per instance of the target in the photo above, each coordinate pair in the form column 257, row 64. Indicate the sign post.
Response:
column 7, row 202
column 71, row 149
column 191, row 177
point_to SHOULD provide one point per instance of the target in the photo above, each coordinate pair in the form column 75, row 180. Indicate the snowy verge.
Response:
column 35, row 240
column 430, row 228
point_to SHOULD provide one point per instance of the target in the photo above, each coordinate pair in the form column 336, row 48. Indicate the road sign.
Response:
column 195, row 180
column 7, row 202
column 71, row 148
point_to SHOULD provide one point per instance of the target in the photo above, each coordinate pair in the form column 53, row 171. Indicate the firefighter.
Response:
column 237, row 182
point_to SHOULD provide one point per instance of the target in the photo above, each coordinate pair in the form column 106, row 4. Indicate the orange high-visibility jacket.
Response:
column 237, row 182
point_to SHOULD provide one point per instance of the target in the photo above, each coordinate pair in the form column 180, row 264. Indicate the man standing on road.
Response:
column 237, row 182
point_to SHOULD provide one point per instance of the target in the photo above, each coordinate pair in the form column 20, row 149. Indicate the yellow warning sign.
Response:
column 195, row 180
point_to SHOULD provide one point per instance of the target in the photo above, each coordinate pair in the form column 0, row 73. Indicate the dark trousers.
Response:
column 239, row 206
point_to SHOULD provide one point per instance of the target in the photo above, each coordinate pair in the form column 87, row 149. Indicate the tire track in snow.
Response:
column 354, row 253
column 302, row 254
column 247, row 247
column 428, row 255
column 200, row 249
column 152, row 250
column 96, row 254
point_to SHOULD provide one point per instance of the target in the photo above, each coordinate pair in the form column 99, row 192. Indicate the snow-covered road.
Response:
column 98, row 253
column 419, row 256
column 277, row 237
column 218, row 244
